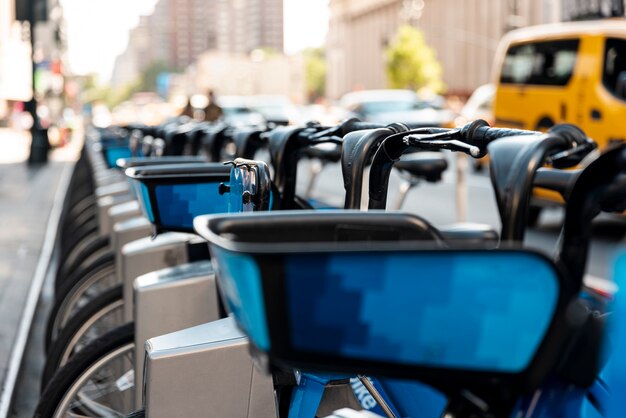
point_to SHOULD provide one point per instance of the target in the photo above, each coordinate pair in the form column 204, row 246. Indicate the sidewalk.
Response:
column 27, row 196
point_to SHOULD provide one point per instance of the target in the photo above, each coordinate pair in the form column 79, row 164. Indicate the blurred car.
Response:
column 238, row 113
column 478, row 106
column 274, row 108
column 144, row 107
column 327, row 115
column 388, row 106
column 573, row 72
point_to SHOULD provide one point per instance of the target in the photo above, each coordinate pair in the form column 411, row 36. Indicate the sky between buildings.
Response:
column 97, row 30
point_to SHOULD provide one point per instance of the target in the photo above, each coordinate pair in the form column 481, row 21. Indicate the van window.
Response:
column 614, row 74
column 549, row 63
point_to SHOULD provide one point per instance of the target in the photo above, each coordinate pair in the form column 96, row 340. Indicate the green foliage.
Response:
column 121, row 94
column 411, row 63
column 315, row 73
column 147, row 81
column 110, row 96
column 93, row 92
column 148, row 78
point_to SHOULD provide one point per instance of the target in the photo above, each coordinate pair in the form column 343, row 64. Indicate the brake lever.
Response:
column 435, row 144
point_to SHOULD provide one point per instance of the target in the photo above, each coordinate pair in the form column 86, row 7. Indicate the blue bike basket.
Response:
column 345, row 292
column 172, row 195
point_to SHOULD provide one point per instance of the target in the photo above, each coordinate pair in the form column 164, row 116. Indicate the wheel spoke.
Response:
column 96, row 392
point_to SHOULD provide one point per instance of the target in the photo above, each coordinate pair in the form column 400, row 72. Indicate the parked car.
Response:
column 478, row 106
column 387, row 106
column 237, row 112
column 274, row 108
column 564, row 73
column 571, row 72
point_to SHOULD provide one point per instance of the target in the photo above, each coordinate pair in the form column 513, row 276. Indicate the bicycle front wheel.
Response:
column 92, row 321
column 98, row 381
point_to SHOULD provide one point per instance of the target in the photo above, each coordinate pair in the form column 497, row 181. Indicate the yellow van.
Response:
column 563, row 73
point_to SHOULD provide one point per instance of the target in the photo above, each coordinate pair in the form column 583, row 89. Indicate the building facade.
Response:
column 15, row 58
column 237, row 74
column 464, row 34
column 241, row 26
column 178, row 31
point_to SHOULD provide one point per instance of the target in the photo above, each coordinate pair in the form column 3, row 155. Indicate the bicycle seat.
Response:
column 427, row 165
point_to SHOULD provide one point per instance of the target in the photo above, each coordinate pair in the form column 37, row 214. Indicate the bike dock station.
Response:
column 356, row 252
column 176, row 297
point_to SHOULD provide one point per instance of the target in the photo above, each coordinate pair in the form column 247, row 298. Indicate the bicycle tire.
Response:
column 66, row 377
column 85, row 232
column 77, row 249
column 79, row 223
column 102, row 266
column 94, row 310
column 75, row 195
column 88, row 203
column 78, row 220
column 82, row 257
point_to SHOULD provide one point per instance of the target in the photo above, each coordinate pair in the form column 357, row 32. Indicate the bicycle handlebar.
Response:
column 480, row 134
column 353, row 124
column 318, row 133
column 474, row 137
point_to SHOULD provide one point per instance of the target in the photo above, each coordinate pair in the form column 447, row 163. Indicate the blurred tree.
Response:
column 116, row 96
column 315, row 73
column 147, row 81
column 148, row 78
column 411, row 63
column 91, row 91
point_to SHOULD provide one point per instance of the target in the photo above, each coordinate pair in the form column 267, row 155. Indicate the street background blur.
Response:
column 110, row 61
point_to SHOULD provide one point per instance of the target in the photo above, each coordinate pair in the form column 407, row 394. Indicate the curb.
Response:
column 32, row 299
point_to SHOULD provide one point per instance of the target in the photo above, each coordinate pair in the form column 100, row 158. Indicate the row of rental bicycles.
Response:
column 196, row 279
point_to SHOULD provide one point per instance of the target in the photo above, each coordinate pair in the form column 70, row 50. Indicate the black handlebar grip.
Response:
column 352, row 125
column 492, row 134
column 478, row 133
